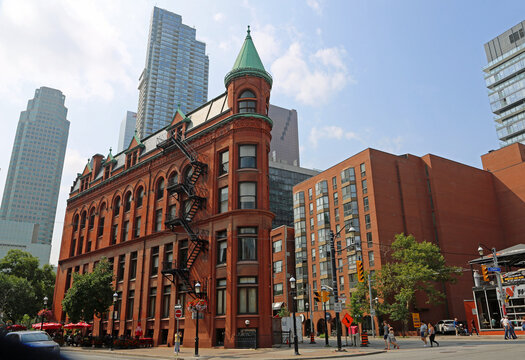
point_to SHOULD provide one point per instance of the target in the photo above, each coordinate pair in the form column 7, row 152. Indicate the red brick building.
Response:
column 378, row 194
column 187, row 204
column 283, row 266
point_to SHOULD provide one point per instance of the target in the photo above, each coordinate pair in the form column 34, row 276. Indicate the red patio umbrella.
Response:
column 16, row 327
column 48, row 326
column 78, row 325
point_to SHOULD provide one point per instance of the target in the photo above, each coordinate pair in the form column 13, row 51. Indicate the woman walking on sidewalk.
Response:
column 432, row 334
column 392, row 337
column 423, row 331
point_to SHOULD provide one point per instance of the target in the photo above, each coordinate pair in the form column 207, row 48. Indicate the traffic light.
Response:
column 317, row 296
column 360, row 271
column 485, row 272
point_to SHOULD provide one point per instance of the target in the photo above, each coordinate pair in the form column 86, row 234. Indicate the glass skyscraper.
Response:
column 176, row 72
column 127, row 130
column 505, row 79
column 37, row 160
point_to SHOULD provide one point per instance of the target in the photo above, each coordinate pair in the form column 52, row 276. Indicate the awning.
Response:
column 277, row 305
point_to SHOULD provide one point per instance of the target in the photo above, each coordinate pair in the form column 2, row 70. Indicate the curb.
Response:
column 104, row 351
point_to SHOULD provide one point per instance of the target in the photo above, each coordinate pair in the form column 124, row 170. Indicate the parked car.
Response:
column 34, row 339
column 445, row 326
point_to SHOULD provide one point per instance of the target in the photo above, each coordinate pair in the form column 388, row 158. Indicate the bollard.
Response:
column 364, row 339
column 312, row 340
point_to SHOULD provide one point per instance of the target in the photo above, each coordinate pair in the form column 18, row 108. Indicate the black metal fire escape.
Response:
column 190, row 203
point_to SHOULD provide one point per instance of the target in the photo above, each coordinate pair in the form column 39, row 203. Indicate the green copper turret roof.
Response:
column 248, row 63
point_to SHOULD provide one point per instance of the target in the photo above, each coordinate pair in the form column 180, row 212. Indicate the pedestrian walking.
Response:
column 423, row 331
column 456, row 325
column 355, row 333
column 177, row 342
column 511, row 330
column 392, row 337
column 523, row 324
column 386, row 328
column 473, row 325
column 432, row 334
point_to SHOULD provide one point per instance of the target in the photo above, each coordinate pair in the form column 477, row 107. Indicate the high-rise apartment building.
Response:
column 35, row 170
column 127, row 130
column 505, row 79
column 284, row 148
column 176, row 73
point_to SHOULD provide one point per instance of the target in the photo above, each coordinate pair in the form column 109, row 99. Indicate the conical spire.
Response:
column 248, row 63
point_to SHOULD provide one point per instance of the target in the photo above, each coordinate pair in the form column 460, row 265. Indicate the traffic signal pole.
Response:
column 336, row 292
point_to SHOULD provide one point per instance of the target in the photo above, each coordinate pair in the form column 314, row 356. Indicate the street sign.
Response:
column 496, row 269
column 416, row 320
column 328, row 316
column 338, row 307
column 178, row 313
column 342, row 298
column 347, row 320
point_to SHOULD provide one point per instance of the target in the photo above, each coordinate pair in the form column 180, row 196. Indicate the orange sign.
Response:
column 347, row 320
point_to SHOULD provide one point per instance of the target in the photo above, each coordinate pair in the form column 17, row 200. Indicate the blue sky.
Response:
column 399, row 76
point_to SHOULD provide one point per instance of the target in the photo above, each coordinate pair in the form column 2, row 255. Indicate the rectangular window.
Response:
column 168, row 254
column 341, row 283
column 154, row 261
column 137, row 227
column 369, row 241
column 247, row 243
column 152, row 300
column 133, row 266
column 247, row 156
column 158, row 220
column 347, row 175
column 277, row 246
column 310, row 194
column 367, row 221
column 277, row 266
column 277, row 289
column 247, row 295
column 125, row 230
column 224, row 160
column 371, row 261
column 131, row 303
column 321, row 188
column 314, row 270
column 336, row 198
column 121, row 266
column 336, row 213
column 363, row 169
column 166, row 296
column 221, row 296
column 222, row 247
column 365, row 203
column 311, row 223
column 334, row 182
column 114, row 233
column 223, row 199
column 313, row 254
column 311, row 208
column 172, row 211
column 100, row 230
column 247, row 195
column 364, row 186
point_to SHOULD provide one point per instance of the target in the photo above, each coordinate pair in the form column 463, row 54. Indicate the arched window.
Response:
column 83, row 221
column 116, row 207
column 140, row 197
column 160, row 189
column 75, row 223
column 173, row 179
column 127, row 202
column 188, row 172
column 247, row 102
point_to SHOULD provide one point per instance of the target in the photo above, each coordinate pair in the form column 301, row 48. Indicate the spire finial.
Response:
column 248, row 30
column 110, row 149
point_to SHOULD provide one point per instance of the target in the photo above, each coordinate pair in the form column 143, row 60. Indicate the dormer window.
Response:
column 131, row 159
column 107, row 172
column 247, row 102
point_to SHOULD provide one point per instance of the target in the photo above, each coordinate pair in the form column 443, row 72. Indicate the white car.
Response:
column 445, row 326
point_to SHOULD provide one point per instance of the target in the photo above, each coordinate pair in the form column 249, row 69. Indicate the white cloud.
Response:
column 330, row 132
column 311, row 83
column 393, row 145
column 74, row 162
column 219, row 17
column 266, row 40
column 73, row 46
column 315, row 5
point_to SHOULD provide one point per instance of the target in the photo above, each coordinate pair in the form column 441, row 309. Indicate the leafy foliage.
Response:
column 19, row 268
column 417, row 268
column 283, row 312
column 91, row 293
column 359, row 300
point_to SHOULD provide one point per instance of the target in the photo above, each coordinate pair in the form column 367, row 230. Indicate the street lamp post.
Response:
column 115, row 298
column 501, row 297
column 323, row 288
column 45, row 308
column 198, row 293
column 306, row 310
column 295, row 341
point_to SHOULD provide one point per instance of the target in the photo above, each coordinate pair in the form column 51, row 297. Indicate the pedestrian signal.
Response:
column 485, row 272
column 360, row 271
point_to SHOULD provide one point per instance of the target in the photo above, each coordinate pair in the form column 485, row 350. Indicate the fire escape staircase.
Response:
column 191, row 203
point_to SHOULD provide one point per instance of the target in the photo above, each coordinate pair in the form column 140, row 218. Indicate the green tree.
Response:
column 91, row 293
column 359, row 300
column 16, row 297
column 23, row 265
column 417, row 268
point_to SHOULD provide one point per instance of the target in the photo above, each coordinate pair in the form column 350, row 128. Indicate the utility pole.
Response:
column 372, row 312
column 336, row 292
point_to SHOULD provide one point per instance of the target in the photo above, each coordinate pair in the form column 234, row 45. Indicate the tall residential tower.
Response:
column 505, row 79
column 37, row 160
column 176, row 73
